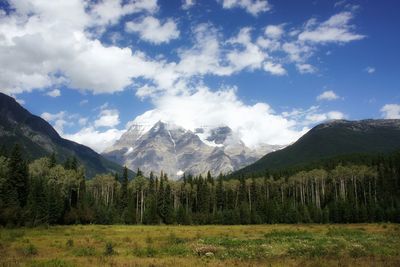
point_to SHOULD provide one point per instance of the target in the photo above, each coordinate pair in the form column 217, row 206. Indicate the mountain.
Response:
column 175, row 150
column 334, row 138
column 38, row 139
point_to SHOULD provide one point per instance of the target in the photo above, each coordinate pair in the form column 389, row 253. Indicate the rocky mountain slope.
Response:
column 175, row 150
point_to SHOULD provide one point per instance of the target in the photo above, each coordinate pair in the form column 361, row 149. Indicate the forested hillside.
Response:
column 38, row 139
column 332, row 139
column 47, row 192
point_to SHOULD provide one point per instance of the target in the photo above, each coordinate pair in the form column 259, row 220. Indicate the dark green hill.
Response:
column 38, row 139
column 339, row 137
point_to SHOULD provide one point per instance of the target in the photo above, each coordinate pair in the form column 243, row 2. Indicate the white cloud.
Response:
column 253, row 7
column 54, row 93
column 336, row 29
column 320, row 117
column 44, row 46
column 274, row 31
column 110, row 11
column 89, row 135
column 248, row 56
column 152, row 30
column 83, row 121
column 20, row 101
column 41, row 39
column 57, row 119
column 297, row 52
column 51, row 117
column 370, row 70
column 391, row 111
column 107, row 118
column 187, row 4
column 328, row 95
column 97, row 140
column 312, row 115
column 205, row 57
column 255, row 124
column 305, row 68
column 274, row 69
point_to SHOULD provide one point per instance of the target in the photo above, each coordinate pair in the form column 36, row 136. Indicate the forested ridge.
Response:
column 45, row 191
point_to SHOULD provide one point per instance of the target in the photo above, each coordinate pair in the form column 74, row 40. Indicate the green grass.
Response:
column 253, row 245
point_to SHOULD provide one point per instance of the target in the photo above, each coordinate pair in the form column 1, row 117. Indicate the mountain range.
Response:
column 174, row 150
column 38, row 139
column 333, row 138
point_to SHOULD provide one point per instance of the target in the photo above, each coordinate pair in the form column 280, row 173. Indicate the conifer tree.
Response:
column 124, row 189
column 18, row 175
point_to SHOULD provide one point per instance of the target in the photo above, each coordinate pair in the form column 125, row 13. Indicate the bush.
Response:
column 70, row 243
column 29, row 250
column 109, row 249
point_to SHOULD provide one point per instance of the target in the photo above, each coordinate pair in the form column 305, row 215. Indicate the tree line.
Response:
column 45, row 191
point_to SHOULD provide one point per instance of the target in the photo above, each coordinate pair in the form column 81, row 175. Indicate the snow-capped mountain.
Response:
column 175, row 150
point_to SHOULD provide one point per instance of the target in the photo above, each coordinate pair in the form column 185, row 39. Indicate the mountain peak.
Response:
column 173, row 149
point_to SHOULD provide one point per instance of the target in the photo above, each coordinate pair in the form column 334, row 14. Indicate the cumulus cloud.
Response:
column 249, row 55
column 274, row 69
column 370, row 70
column 94, row 138
column 54, row 93
column 253, row 7
column 312, row 115
column 93, row 134
column 337, row 29
column 328, row 95
column 304, row 68
column 152, row 30
column 274, row 31
column 110, row 11
column 331, row 115
column 187, row 4
column 45, row 44
column 391, row 111
column 58, row 120
column 255, row 124
column 107, row 118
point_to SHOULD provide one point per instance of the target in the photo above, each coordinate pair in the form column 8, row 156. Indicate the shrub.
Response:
column 109, row 249
column 29, row 250
column 70, row 243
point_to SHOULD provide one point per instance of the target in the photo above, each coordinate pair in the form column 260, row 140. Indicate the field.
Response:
column 253, row 245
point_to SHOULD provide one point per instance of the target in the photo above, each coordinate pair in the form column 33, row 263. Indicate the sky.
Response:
column 270, row 70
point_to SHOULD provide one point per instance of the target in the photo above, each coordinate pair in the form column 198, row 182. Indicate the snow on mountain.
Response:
column 174, row 150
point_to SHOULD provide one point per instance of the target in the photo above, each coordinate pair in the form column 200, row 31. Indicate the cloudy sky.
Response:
column 270, row 70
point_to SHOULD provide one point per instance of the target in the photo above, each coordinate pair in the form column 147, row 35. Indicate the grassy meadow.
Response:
column 253, row 245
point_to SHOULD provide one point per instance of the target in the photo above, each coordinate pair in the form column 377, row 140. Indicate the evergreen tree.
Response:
column 53, row 160
column 18, row 175
column 124, row 189
column 220, row 193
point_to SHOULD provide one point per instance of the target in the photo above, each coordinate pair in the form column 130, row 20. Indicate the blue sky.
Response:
column 270, row 70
